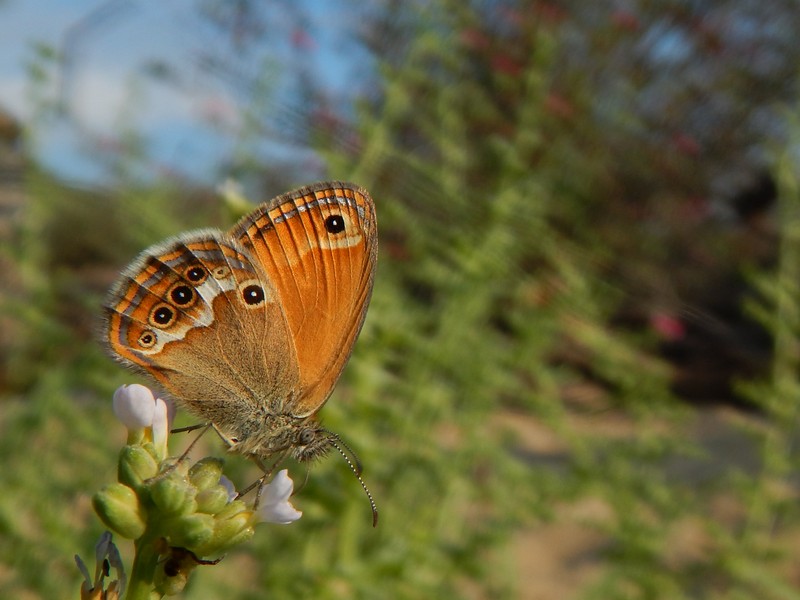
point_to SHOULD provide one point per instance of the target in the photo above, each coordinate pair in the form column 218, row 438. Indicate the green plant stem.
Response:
column 140, row 584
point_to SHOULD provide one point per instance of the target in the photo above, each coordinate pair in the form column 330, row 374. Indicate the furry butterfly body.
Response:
column 250, row 329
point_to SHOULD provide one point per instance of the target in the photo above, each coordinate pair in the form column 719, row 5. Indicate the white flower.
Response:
column 134, row 405
column 138, row 409
column 275, row 506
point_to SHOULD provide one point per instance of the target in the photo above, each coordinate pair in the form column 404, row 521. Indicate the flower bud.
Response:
column 173, row 495
column 135, row 465
column 233, row 508
column 134, row 405
column 118, row 507
column 189, row 531
column 206, row 472
column 212, row 500
column 230, row 532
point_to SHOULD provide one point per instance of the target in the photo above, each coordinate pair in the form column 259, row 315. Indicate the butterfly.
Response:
column 250, row 329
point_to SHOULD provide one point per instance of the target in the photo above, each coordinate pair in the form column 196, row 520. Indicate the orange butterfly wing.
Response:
column 319, row 246
column 185, row 313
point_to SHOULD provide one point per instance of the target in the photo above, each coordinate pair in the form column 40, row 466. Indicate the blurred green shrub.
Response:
column 508, row 373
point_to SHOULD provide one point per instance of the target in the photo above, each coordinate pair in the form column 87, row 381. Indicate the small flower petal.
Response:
column 160, row 425
column 279, row 489
column 106, row 556
column 101, row 551
column 171, row 410
column 134, row 405
column 282, row 514
column 275, row 506
column 228, row 485
column 115, row 560
column 85, row 572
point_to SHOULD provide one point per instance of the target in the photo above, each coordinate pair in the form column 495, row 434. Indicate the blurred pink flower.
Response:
column 626, row 21
column 686, row 144
column 475, row 39
column 668, row 327
column 558, row 105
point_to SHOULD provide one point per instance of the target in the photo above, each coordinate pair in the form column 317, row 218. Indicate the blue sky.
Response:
column 108, row 92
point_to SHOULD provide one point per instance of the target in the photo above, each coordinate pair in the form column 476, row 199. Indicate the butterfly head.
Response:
column 311, row 442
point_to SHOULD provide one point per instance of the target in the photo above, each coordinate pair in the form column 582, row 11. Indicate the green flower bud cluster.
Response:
column 179, row 511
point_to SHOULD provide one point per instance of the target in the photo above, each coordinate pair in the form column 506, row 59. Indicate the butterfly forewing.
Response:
column 318, row 246
column 203, row 318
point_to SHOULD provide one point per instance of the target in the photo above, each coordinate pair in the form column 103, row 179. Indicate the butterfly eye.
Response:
column 162, row 316
column 182, row 295
column 147, row 339
column 196, row 274
column 306, row 437
column 334, row 224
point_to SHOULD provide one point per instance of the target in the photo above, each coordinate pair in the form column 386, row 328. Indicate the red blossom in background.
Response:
column 625, row 21
column 505, row 64
column 474, row 39
column 686, row 144
column 667, row 326
column 549, row 13
column 559, row 105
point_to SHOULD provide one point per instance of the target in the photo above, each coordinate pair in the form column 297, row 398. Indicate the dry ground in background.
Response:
column 557, row 560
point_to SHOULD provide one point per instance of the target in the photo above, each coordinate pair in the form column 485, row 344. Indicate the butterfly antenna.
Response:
column 356, row 462
column 355, row 467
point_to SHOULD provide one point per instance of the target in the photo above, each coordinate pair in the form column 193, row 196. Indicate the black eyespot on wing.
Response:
column 196, row 274
column 182, row 295
column 334, row 224
column 162, row 316
column 221, row 272
column 147, row 339
column 253, row 295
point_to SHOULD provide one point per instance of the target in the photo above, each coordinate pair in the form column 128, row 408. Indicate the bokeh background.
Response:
column 578, row 376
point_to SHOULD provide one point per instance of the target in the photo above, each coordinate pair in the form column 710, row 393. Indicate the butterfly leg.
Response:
column 259, row 483
column 185, row 453
column 189, row 428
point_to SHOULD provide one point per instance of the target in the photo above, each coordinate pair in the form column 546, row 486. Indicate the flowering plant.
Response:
column 177, row 514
